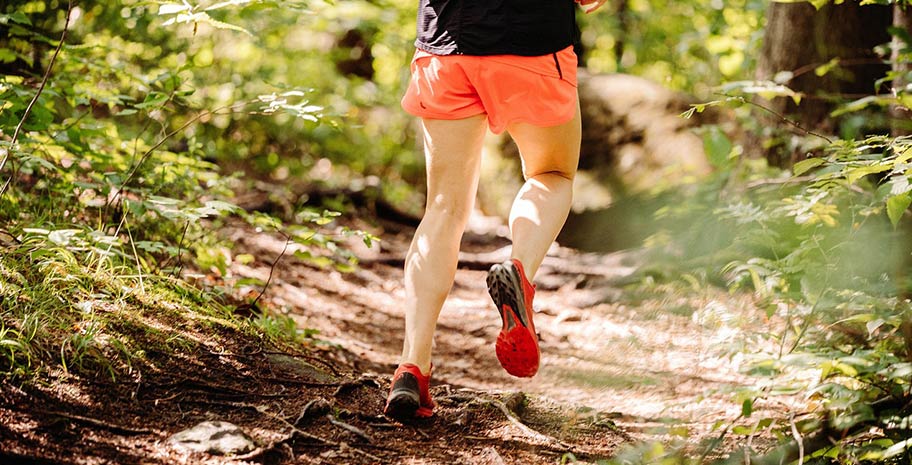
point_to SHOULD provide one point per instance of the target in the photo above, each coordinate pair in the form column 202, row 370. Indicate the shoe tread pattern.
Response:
column 516, row 347
column 404, row 398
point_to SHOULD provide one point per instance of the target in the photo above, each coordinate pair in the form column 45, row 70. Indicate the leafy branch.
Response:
column 28, row 109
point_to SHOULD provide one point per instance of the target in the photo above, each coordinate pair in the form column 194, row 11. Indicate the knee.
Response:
column 567, row 174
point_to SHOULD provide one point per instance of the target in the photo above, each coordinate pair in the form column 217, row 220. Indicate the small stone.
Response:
column 490, row 455
column 213, row 437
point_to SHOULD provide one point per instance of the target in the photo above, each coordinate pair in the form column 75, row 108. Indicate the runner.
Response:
column 507, row 65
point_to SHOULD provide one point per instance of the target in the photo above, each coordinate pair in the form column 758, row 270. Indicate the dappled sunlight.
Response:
column 206, row 208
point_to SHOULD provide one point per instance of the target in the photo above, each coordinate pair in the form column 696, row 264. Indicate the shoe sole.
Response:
column 517, row 345
column 402, row 404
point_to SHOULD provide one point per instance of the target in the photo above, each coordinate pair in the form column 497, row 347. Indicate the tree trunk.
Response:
column 901, row 115
column 622, row 13
column 799, row 39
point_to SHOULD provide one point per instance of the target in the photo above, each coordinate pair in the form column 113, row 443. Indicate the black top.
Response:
column 495, row 27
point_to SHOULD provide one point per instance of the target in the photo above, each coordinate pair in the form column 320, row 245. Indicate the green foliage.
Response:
column 827, row 248
column 128, row 162
column 690, row 46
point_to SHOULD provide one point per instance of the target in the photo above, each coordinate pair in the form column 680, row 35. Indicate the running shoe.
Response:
column 517, row 343
column 409, row 395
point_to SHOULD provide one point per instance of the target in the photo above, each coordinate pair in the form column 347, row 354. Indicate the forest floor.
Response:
column 621, row 363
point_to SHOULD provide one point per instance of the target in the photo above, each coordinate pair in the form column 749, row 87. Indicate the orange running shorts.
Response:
column 539, row 90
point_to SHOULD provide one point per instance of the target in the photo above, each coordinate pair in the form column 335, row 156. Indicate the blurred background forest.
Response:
column 763, row 147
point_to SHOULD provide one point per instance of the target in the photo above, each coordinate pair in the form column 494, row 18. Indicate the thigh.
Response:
column 551, row 149
column 453, row 156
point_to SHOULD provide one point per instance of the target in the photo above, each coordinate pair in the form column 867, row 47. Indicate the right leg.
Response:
column 550, row 155
column 453, row 155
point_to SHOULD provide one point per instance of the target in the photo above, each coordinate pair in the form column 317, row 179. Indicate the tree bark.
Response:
column 901, row 116
column 800, row 38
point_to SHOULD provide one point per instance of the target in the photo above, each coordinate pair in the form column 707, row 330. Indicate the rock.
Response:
column 489, row 455
column 633, row 136
column 633, row 140
column 213, row 437
column 299, row 368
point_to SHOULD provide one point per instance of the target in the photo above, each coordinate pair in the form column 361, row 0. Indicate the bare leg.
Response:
column 550, row 157
column 453, row 154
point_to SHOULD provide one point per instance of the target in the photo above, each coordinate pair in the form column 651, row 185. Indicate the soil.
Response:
column 619, row 365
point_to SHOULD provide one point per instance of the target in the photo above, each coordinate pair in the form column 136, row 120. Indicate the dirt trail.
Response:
column 639, row 359
column 619, row 364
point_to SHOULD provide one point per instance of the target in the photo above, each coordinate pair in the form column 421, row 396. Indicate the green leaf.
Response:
column 7, row 55
column 747, row 407
column 742, row 430
column 804, row 166
column 905, row 156
column 897, row 206
column 845, row 368
column 152, row 100
column 823, row 70
column 855, row 173
column 17, row 17
column 718, row 146
column 860, row 104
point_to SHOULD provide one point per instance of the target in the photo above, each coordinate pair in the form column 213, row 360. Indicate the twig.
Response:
column 842, row 62
column 522, row 426
column 223, row 403
column 783, row 118
column 747, row 450
column 807, row 321
column 797, row 436
column 714, row 443
column 161, row 142
column 142, row 286
column 28, row 109
column 352, row 429
column 272, row 270
column 315, row 407
column 351, row 385
column 294, row 430
column 180, row 246
column 149, row 121
column 123, row 220
column 767, row 182
column 100, row 423
column 299, row 382
column 218, row 396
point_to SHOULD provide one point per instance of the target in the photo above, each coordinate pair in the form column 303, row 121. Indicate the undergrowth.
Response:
column 825, row 248
column 113, row 190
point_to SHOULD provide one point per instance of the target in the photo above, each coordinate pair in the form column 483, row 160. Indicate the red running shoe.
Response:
column 517, row 343
column 409, row 395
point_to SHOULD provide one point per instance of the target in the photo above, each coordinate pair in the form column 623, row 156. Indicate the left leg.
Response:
column 453, row 155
